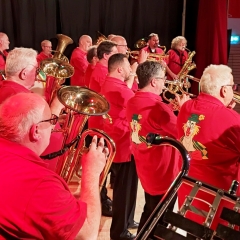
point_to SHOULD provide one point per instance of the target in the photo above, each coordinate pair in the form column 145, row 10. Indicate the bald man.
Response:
column 4, row 45
column 79, row 60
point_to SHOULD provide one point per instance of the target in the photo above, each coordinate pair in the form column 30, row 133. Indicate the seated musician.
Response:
column 177, row 57
column 156, row 167
column 209, row 129
column 4, row 45
column 21, row 70
column 46, row 52
column 35, row 202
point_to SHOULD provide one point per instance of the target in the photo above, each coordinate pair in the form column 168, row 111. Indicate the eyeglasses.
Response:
column 163, row 78
column 234, row 86
column 48, row 46
column 38, row 70
column 53, row 120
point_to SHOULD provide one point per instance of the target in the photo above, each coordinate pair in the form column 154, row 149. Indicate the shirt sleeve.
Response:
column 55, row 211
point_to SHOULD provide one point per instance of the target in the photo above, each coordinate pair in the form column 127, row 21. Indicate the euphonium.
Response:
column 80, row 103
column 58, row 66
column 236, row 97
column 156, row 57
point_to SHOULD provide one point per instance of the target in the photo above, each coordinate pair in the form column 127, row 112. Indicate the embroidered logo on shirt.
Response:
column 136, row 127
column 191, row 129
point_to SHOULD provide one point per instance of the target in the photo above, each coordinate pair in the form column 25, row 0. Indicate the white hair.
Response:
column 214, row 77
column 18, row 59
column 18, row 113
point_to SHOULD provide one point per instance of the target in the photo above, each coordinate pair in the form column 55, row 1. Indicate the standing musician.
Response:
column 156, row 166
column 209, row 129
column 153, row 44
column 177, row 57
column 4, row 45
column 117, row 92
column 79, row 60
column 37, row 203
column 92, row 61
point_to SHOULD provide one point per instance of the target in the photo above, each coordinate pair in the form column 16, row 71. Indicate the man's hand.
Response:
column 143, row 55
column 181, row 99
column 94, row 161
column 232, row 104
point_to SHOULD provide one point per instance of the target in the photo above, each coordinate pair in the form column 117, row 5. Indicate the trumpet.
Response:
column 156, row 57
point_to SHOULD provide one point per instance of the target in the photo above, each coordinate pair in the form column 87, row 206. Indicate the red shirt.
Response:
column 117, row 93
column 42, row 56
column 88, row 74
column 10, row 88
column 157, row 50
column 210, row 132
column 156, row 166
column 80, row 63
column 213, row 131
column 176, row 61
column 96, row 81
column 36, row 203
column 98, row 77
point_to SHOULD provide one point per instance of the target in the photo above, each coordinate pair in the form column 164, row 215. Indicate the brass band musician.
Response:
column 209, row 129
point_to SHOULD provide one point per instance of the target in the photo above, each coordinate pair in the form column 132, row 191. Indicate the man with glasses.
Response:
column 35, row 202
column 209, row 129
column 46, row 52
column 157, row 167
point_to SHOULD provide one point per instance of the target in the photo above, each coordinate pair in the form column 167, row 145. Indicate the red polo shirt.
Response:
column 42, row 56
column 88, row 74
column 210, row 132
column 213, row 142
column 156, row 166
column 96, row 81
column 10, row 88
column 176, row 60
column 157, row 50
column 117, row 93
column 80, row 63
column 36, row 203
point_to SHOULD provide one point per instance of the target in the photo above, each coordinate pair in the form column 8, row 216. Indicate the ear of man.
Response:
column 223, row 92
column 34, row 134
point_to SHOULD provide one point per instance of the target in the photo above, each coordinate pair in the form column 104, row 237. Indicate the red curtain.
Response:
column 211, row 43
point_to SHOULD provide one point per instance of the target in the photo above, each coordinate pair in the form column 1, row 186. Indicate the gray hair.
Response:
column 177, row 40
column 214, row 77
column 18, row 59
column 148, row 70
column 45, row 42
column 18, row 113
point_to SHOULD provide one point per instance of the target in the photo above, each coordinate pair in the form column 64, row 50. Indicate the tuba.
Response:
column 224, row 205
column 58, row 66
column 80, row 103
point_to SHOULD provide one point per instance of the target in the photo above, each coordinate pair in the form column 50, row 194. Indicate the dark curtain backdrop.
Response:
column 211, row 36
column 28, row 22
